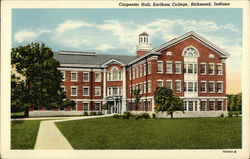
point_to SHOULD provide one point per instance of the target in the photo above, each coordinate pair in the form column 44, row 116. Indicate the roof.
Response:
column 144, row 34
column 89, row 58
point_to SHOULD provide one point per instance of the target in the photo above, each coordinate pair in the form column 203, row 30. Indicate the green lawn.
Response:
column 192, row 133
column 24, row 133
column 17, row 115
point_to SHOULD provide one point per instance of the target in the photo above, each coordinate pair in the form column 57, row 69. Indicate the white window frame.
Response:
column 100, row 91
column 161, row 64
column 83, row 90
column 149, row 68
column 205, row 68
column 63, row 75
column 137, row 72
column 149, row 86
column 220, row 64
column 205, row 87
column 171, row 87
column 71, row 91
column 179, row 81
column 213, row 87
column 169, row 53
column 100, row 75
column 83, row 76
column 169, row 62
column 221, row 82
column 71, row 76
column 109, row 93
column 64, row 88
column 144, row 70
column 99, row 106
column 213, row 105
column 205, row 101
column 178, row 62
column 133, row 74
column 162, row 81
column 144, row 87
column 190, row 87
column 140, row 68
column 84, row 107
column 209, row 69
column 221, row 105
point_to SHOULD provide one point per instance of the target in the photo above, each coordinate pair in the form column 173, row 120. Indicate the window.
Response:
column 63, row 75
column 190, row 68
column 140, row 71
column 219, row 69
column 169, row 54
column 190, row 105
column 63, row 88
column 169, row 84
column 185, row 105
column 195, row 68
column 130, row 75
column 73, row 91
column 148, row 108
column 185, row 86
column 220, row 105
column 178, row 67
column 203, row 69
column 211, row 69
column 211, row 105
column 109, row 91
column 220, row 87
column 115, row 91
column 144, row 87
column 211, row 87
column 133, row 74
column 137, row 72
column 149, row 87
column 85, row 91
column 97, row 91
column 203, row 86
column 159, row 67
column 169, row 67
column 97, row 106
column 115, row 74
column 185, row 68
column 140, row 87
column 149, row 68
column 203, row 105
column 85, row 106
column 195, row 86
column 177, row 86
column 144, row 70
column 74, row 107
column 159, row 83
column 109, row 76
column 190, row 87
column 211, row 56
column 85, row 76
column 120, row 75
column 97, row 77
column 120, row 90
column 73, row 76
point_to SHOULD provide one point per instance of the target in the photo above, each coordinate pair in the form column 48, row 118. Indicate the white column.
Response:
column 124, row 90
column 153, row 105
column 198, row 105
column 104, row 84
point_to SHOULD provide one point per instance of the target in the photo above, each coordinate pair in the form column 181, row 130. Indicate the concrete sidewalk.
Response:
column 50, row 138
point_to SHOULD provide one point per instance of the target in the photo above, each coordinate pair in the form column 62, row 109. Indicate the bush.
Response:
column 236, row 114
column 154, row 115
column 85, row 114
column 222, row 115
column 92, row 113
column 137, row 116
column 117, row 116
column 230, row 114
column 99, row 113
column 126, row 115
column 145, row 115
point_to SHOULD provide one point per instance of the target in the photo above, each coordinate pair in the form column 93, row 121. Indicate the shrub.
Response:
column 85, row 114
column 145, row 115
column 154, row 115
column 230, row 114
column 126, row 115
column 236, row 114
column 117, row 116
column 222, row 115
column 92, row 113
column 99, row 113
column 137, row 116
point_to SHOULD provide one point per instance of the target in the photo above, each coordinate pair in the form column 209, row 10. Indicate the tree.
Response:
column 234, row 102
column 42, row 84
column 166, row 101
column 138, row 96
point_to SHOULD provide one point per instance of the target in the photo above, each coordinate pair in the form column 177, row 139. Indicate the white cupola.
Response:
column 144, row 44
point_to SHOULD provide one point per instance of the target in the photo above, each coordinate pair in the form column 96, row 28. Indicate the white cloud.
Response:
column 25, row 35
column 71, row 25
column 104, row 47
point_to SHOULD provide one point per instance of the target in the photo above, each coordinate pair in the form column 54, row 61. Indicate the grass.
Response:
column 191, row 133
column 24, row 133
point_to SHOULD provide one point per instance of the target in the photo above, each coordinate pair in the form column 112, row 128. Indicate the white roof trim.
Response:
column 78, row 65
column 112, row 60
column 144, row 55
column 198, row 37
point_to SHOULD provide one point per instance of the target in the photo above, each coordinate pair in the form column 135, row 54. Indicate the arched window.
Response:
column 115, row 74
column 190, row 52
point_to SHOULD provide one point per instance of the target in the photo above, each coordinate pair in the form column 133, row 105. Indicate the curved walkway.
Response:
column 49, row 136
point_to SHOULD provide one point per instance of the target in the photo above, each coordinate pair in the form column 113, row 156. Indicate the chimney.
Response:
column 143, row 45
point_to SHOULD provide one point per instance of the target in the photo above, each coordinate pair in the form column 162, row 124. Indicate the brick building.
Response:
column 193, row 67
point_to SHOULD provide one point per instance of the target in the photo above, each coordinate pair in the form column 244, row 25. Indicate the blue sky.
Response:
column 115, row 31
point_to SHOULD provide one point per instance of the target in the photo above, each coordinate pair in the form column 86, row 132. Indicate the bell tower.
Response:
column 143, row 45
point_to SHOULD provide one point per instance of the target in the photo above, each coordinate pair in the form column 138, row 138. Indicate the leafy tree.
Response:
column 42, row 84
column 235, row 102
column 138, row 96
column 167, row 101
